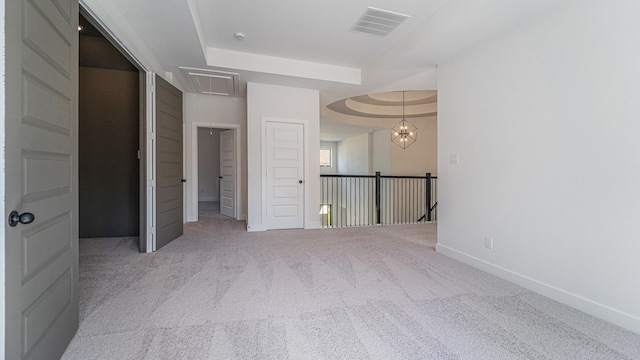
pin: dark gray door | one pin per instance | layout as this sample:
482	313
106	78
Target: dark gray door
41	177
169	202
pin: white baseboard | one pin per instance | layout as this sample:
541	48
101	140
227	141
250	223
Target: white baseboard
252	228
604	312
313	225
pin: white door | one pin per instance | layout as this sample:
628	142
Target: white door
285	170
41	177
228	173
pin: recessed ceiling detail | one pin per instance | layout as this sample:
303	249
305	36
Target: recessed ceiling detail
212	82
378	22
389	105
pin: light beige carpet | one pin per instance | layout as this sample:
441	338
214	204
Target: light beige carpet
219	292
210	210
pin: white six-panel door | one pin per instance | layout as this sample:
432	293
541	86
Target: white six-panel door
41	177
284	175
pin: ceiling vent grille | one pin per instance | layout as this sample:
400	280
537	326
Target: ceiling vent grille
211	82
378	22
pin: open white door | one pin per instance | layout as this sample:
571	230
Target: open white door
41	177
284	151
228	173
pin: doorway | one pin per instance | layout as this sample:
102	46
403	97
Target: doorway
209	178
215	187
110	160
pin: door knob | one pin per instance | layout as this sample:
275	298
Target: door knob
24	218
299	181
183	180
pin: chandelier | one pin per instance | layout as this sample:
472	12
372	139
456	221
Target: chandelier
404	133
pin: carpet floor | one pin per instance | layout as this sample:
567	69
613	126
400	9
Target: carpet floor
219	292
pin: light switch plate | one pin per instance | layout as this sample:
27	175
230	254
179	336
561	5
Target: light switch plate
454	159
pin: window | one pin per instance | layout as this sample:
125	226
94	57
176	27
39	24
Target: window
325	157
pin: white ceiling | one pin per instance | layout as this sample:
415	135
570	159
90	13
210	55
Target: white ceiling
316	31
308	43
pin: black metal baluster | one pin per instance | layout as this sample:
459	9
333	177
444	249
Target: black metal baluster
428	199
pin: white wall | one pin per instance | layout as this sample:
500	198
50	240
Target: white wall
381	152
208	164
213	111
354	155
370	152
422	156
334	157
545	120
270	101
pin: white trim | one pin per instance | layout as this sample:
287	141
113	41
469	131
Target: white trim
604	312
257	228
192	215
151	161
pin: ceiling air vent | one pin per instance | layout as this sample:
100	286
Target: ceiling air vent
378	22
211	82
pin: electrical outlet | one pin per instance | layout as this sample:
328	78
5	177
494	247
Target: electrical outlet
488	242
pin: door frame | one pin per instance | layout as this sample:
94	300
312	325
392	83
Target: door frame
192	201
147	145
305	153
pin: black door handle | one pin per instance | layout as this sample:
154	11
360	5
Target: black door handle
24	218
299	181
183	180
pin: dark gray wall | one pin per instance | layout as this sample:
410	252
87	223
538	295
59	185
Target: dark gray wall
108	153
109	128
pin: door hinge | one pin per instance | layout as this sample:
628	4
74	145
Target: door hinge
153	230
